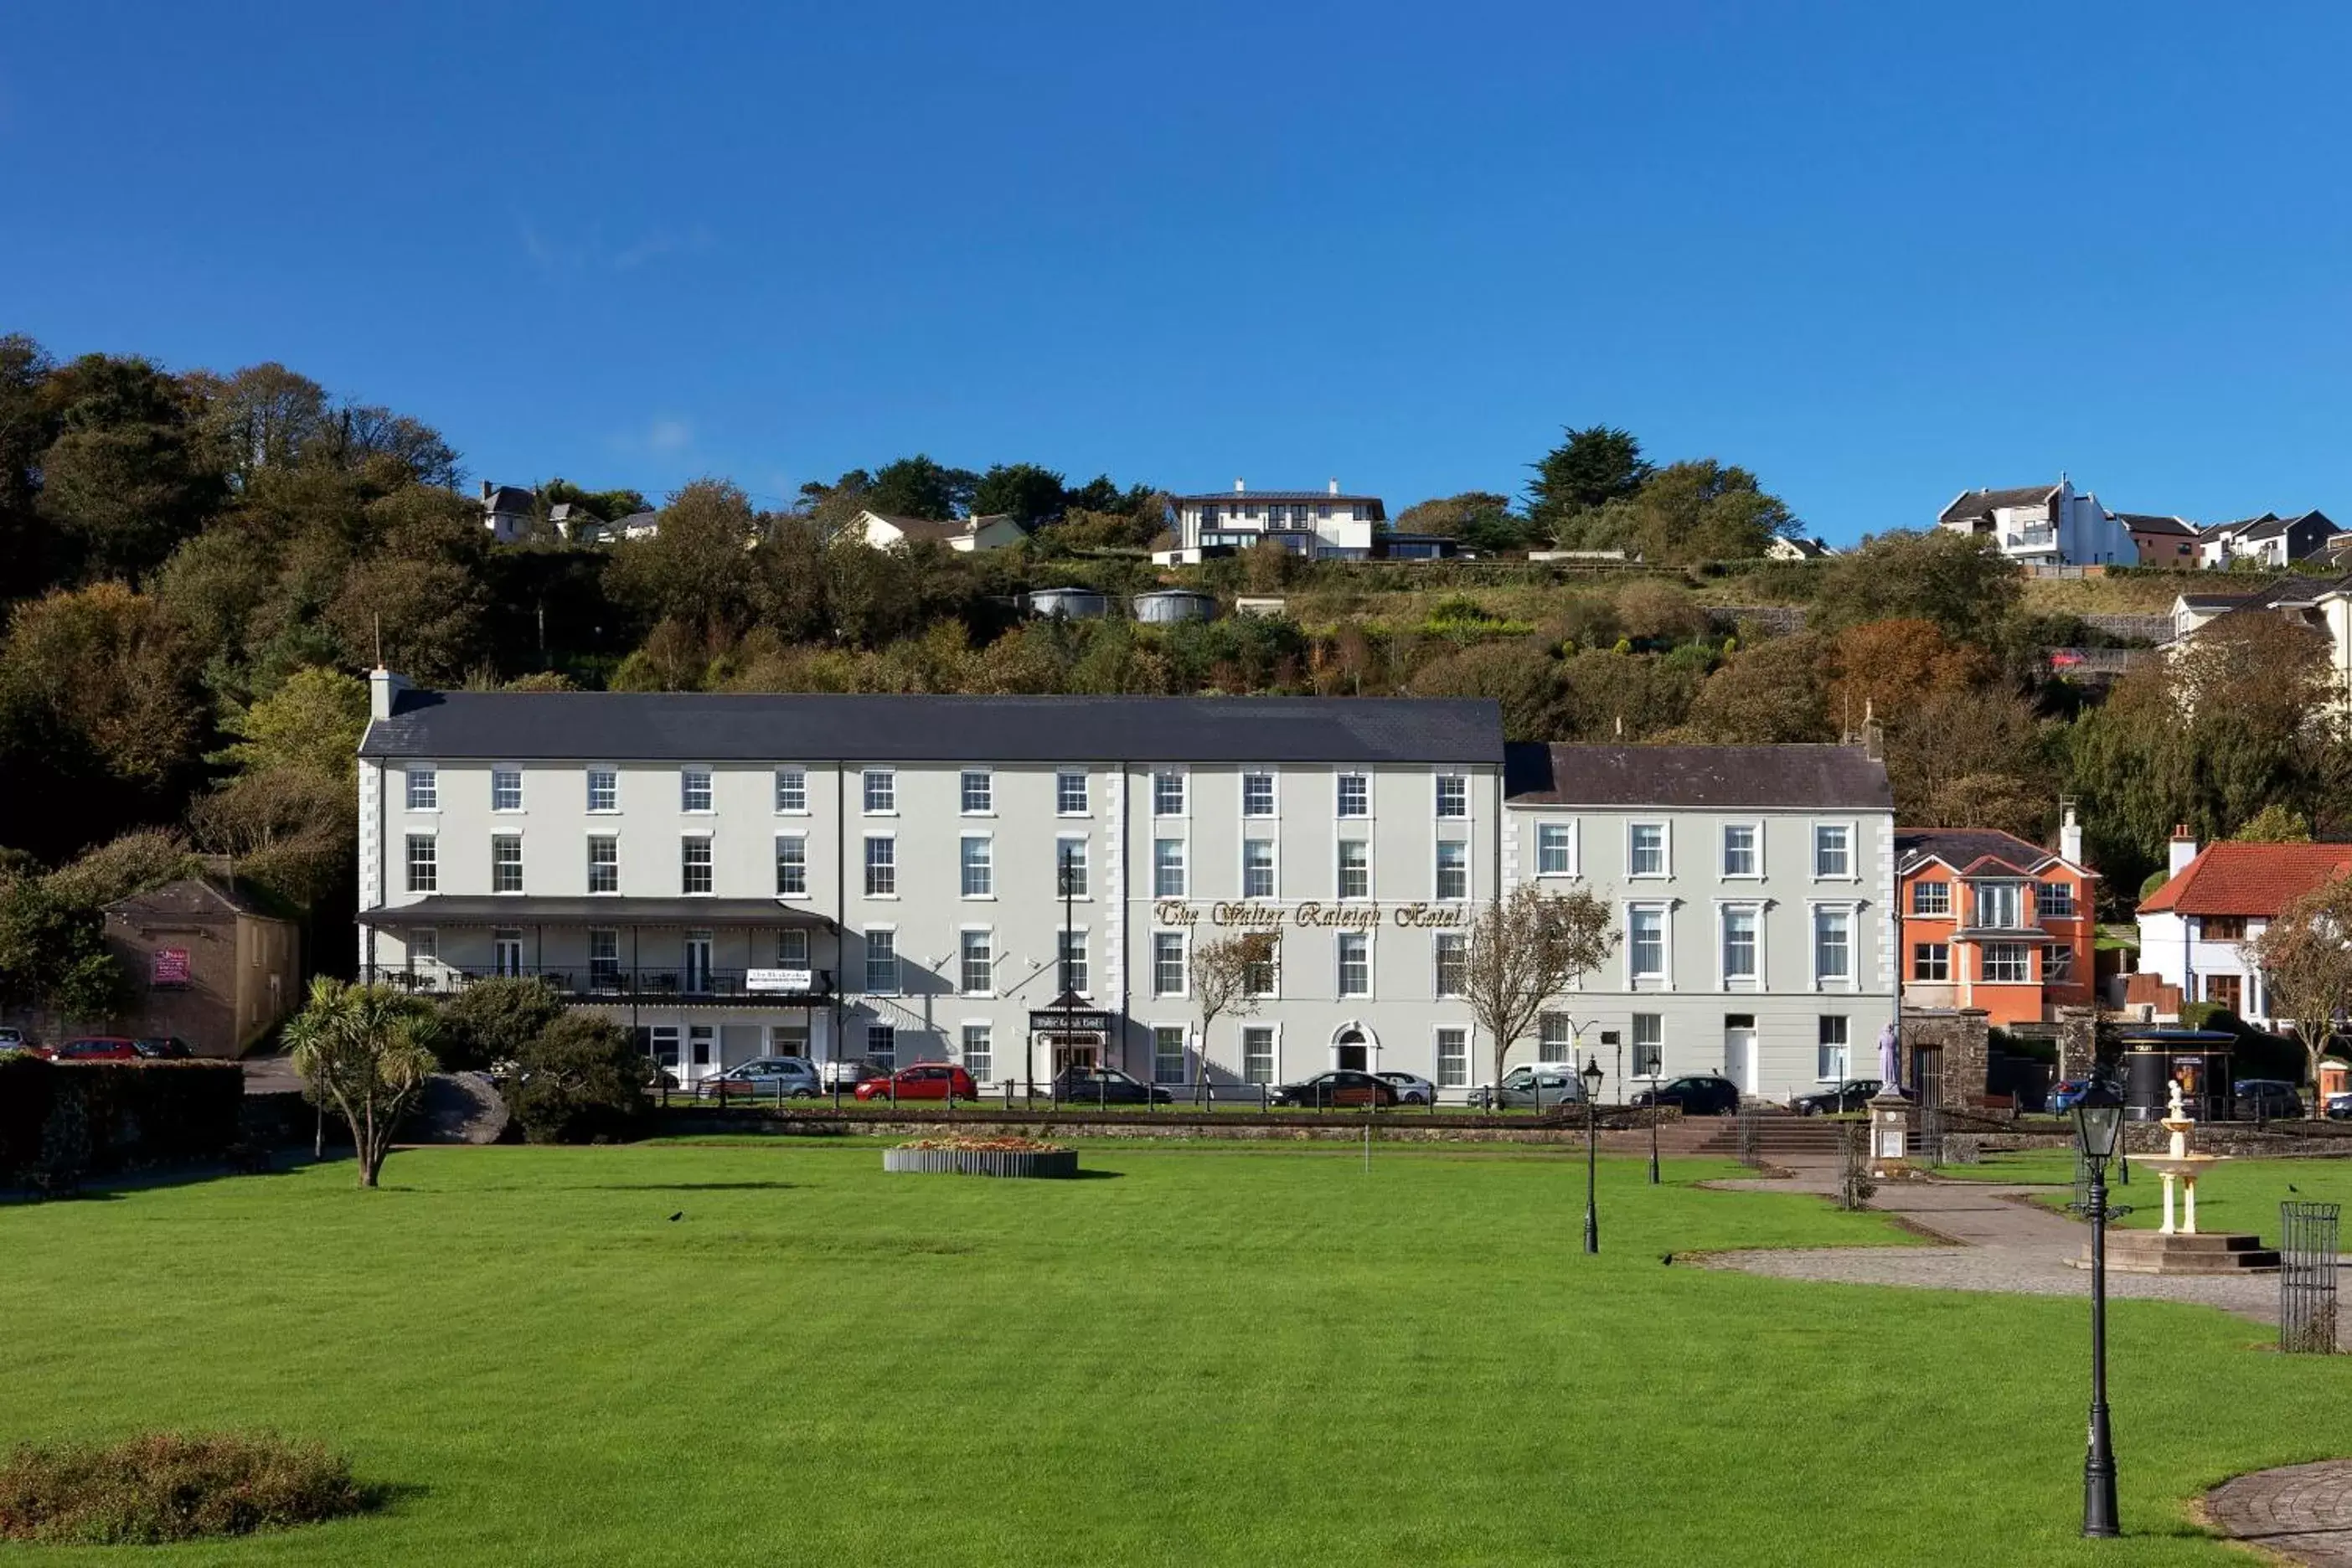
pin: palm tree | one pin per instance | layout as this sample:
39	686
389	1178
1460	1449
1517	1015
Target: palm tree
364	1049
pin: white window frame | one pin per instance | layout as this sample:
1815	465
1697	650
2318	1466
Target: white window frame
1274	867
1183	947
793	947
1639	1045
1437	872
1182	867
408	862
1439	942
2024	953
710	863
709	777
897	987
868	779
987	866
1183	783
1663	979
504	771
1439	790
1814	910
1844	1047
801	840
497	841
1079	939
1554	1032
1567	831
1183	1033
1063	778
1438	1067
1943	886
866	866
1944	948
1272	794
987	1032
1339	869
1852	872
588	777
2014	890
963	961
799	777
965	777
1723	979
2041	910
1084	891
1666	852
1339	783
1339	941
430	777
1273	1032
880	1057
593	839
1755	830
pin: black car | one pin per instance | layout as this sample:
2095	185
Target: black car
1852	1095
1107	1086
164	1048
1343	1086
1703	1094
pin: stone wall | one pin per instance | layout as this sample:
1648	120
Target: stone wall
1960	1035
2078	1042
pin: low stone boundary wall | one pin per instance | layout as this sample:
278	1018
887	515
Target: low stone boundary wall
982	1161
1622	1132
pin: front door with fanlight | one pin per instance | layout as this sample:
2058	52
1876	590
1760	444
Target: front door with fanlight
1739	1051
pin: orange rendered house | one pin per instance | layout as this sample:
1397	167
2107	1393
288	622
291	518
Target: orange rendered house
1989	920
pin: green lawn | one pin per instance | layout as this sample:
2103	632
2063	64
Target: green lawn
1265	1356
2053	1165
2237	1194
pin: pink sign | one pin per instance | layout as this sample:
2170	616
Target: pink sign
170	966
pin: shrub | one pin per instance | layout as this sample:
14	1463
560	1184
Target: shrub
492	1020
164	1485
70	1119
580	1081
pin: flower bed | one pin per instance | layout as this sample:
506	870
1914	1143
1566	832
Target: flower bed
1007	1156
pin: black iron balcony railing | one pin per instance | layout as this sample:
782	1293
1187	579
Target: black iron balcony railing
612	983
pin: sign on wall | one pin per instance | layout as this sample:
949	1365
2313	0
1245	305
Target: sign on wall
784	980
171	967
1254	916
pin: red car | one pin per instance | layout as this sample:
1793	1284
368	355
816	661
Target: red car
925	1080
90	1049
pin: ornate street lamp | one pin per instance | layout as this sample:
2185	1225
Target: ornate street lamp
2098	1122
1592	1076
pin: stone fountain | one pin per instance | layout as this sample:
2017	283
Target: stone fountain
2178	1246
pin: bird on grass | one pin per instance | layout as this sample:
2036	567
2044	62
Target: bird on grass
2293	1188
677	1216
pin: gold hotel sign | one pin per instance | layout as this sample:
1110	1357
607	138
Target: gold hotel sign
1252	915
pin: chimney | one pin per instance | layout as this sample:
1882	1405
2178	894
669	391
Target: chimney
489	489
2184	849
1238	487
1335	487
2070	834
384	690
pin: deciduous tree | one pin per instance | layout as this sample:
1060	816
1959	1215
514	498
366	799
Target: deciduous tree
2305	958
1525	950
1227	975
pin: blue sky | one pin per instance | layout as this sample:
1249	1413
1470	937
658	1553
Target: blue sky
1878	255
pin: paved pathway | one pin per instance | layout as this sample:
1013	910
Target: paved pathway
2002	1244
2303	1512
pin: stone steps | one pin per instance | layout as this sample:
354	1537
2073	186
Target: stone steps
2153	1252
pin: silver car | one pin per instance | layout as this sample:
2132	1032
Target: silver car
769	1078
1542	1085
1411	1087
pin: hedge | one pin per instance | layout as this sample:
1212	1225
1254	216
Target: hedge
128	1113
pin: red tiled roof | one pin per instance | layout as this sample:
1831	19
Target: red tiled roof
2248	878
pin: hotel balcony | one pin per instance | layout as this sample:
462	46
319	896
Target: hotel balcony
670	983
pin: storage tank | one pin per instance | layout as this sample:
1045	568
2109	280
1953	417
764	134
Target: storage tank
1071	604
1167	605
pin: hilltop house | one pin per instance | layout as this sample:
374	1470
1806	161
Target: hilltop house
2268	540
508	511
1992	921
2044	525
962	534
2192	930
1322	524
2162	541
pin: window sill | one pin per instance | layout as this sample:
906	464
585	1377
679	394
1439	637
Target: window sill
882	898
978	899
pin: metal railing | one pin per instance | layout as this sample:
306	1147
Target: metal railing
2308	1240
608	982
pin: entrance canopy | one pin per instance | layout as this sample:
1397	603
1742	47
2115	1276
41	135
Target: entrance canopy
1070	1015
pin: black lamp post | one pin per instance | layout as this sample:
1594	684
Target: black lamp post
1654	1129
2098	1122
1592	1076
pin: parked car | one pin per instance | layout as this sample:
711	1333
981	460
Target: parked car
1539	1084
163	1049
2255	1098
2339	1106
1342	1086
1852	1095
848	1072
90	1049
767	1078
13	1040
1107	1086
1411	1087
923	1080
1701	1094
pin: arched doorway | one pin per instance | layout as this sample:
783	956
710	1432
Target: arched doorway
1354	1047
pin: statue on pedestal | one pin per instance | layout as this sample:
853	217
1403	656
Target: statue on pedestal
1890	1057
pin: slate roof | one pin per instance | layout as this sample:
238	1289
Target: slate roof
935	528
510	498
1981	503
1825	778
189	896
2248	878
2148	523
1972	851
685	726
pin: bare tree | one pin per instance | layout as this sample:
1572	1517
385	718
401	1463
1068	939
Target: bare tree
2304	956
1229	975
1525	950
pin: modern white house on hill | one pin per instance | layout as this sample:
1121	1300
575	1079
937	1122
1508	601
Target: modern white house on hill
2044	525
963	535
1018	883
1324	524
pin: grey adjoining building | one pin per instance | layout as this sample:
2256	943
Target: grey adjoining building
885	877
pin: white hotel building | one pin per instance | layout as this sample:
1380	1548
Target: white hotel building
1016	883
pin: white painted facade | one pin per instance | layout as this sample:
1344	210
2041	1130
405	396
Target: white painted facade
2047	526
1326	525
